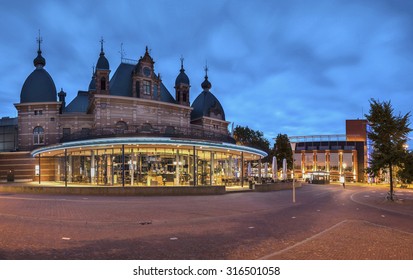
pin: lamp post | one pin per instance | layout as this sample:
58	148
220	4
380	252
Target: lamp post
292	170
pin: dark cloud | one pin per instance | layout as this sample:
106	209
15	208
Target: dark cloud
295	67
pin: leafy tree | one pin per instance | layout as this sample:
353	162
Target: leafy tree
406	173
389	136
253	138
282	149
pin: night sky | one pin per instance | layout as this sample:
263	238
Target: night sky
293	67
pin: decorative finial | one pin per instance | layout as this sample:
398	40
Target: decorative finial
39	61
122	52
146	50
206	85
206	69
39	40
101	44
182	62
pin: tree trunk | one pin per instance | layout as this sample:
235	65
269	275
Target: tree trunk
391	181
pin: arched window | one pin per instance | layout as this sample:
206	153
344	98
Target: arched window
38	135
170	130
146	127
121	127
103	83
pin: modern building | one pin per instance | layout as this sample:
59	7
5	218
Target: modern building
329	157
126	129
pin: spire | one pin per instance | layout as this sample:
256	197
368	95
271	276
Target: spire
101	46
103	63
206	85
206	70
39	61
92	84
146	57
182	63
39	41
182	78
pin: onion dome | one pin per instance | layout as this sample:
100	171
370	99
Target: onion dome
39	61
103	63
182	78
206	104
206	85
39	85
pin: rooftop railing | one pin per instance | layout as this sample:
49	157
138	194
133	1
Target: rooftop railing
147	130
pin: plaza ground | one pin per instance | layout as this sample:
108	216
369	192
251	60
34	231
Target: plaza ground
326	222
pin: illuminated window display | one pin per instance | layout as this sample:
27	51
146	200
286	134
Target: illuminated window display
110	162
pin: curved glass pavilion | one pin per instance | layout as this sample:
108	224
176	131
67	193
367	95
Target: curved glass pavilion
149	161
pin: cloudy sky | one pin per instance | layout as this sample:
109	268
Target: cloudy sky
297	67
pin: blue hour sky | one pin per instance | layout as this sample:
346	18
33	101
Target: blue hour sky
296	67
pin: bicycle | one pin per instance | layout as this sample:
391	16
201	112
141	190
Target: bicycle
389	196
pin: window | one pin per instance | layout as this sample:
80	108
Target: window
137	85
147	87
146	127
121	126
38	135
66	131
155	91
103	83
38	112
85	131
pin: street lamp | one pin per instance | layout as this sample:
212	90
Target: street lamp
292	170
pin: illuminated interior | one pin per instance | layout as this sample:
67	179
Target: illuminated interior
149	162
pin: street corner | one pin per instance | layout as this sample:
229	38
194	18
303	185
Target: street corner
402	201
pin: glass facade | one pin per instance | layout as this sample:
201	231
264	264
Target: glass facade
151	165
334	163
309	161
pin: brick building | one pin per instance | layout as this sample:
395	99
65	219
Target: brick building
329	157
126	129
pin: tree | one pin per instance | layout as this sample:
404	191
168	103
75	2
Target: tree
282	149
252	138
388	134
406	172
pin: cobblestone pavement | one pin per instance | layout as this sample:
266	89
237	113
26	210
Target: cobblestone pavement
326	222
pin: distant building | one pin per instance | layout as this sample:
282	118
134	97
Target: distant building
125	129
333	155
8	134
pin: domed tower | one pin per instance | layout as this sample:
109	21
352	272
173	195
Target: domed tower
39	85
38	110
102	72
207	110
182	86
